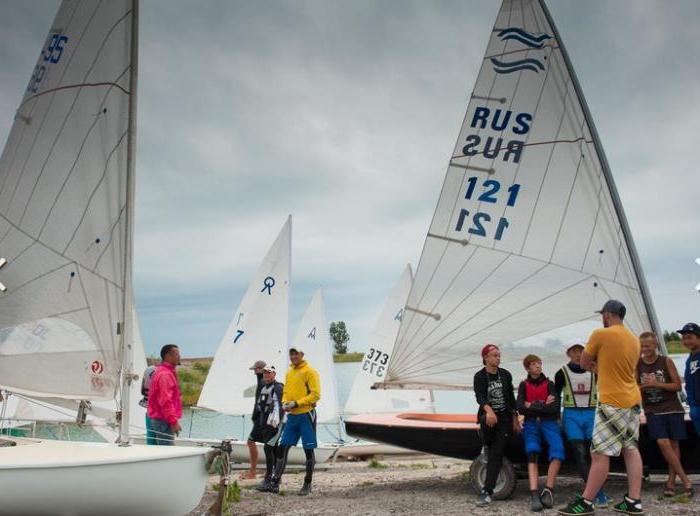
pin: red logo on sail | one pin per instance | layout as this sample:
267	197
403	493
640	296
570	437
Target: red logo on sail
97	367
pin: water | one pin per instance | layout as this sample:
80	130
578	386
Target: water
200	424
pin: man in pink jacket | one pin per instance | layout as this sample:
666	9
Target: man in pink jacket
164	401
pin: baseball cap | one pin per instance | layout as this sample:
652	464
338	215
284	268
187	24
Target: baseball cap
613	306
690	327
269	369
259	364
575	345
296	350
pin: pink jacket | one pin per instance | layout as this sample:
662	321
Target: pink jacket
164	400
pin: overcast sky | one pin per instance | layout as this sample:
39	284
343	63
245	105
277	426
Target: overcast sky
345	114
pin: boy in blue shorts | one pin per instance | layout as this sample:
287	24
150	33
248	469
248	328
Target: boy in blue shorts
539	403
578	391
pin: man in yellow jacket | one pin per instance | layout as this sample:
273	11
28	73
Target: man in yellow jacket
302	390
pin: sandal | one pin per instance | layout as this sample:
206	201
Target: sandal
689	491
669	492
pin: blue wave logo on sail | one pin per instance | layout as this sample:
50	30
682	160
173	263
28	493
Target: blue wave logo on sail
515	66
524	37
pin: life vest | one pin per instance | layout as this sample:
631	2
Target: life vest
580	389
536	391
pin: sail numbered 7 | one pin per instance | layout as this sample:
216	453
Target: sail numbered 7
528	237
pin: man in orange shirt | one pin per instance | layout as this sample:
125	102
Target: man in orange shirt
615	351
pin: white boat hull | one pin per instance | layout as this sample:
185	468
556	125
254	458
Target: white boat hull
240	452
71	478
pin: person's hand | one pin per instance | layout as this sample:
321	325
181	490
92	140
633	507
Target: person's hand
550	399
176	428
527	404
517	428
289	405
491	419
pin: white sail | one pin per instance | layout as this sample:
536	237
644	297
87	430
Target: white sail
258	331
313	339
63	203
527	236
362	398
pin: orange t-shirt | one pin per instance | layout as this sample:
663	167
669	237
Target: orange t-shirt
617	351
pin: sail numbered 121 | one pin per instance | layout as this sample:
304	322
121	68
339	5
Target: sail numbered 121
528	236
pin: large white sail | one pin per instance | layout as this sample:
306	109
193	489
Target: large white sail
528	235
362	398
63	206
258	331
313	339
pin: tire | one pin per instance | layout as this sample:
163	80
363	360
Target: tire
505	484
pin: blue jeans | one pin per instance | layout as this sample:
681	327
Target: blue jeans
150	435
162	434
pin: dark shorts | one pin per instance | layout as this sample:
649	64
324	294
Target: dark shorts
262	433
666	426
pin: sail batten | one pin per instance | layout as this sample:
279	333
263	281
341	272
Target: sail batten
528	238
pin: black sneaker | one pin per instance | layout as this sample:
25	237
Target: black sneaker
547	498
264	486
305	489
484	499
274	487
629	506
535	502
577	507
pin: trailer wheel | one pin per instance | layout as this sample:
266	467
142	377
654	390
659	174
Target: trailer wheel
505	484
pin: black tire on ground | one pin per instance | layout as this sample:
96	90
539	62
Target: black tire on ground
505	485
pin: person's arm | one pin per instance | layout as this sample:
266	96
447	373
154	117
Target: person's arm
509	392
590	353
553	407
480	389
165	402
559	381
520	403
313	384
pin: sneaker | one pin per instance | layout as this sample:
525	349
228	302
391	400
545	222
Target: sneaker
305	489
577	507
484	499
629	506
547	498
535	502
274	487
601	500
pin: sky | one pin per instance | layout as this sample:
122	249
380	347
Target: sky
344	114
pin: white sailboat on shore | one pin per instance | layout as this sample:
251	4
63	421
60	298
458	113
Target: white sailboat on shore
527	241
259	330
66	242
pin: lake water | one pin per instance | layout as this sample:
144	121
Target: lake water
204	424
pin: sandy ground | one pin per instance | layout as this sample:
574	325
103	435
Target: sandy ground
419	485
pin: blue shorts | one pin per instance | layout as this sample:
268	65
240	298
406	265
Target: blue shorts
578	423
695	418
300	425
666	426
535	431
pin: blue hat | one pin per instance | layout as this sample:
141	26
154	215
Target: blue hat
613	306
691	327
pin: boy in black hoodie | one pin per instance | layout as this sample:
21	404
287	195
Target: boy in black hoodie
493	388
539	402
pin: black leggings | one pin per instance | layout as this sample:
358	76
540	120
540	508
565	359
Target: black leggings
582	457
281	463
496	438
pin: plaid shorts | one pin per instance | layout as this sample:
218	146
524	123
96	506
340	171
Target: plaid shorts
615	429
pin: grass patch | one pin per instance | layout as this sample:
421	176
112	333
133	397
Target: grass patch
676	346
366	483
375	464
347	357
420	465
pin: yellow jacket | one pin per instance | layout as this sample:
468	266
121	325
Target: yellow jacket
302	384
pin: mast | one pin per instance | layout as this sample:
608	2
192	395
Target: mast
127	329
624	225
